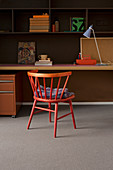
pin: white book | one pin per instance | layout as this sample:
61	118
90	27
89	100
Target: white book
43	63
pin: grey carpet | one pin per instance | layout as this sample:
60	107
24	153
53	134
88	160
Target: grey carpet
89	147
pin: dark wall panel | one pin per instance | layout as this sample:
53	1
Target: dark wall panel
62	49
82	4
24	4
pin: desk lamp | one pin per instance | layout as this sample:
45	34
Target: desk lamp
88	35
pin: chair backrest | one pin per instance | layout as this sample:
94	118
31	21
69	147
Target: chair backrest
37	87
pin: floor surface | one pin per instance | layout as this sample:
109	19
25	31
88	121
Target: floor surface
89	147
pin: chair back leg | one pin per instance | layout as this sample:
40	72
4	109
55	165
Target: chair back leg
71	109
31	115
55	119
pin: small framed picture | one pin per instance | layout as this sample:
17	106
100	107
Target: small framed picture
76	24
26	52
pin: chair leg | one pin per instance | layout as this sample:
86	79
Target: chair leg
49	112
55	121
31	115
71	109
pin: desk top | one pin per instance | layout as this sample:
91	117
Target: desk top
54	67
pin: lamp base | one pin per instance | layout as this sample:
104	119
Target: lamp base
101	64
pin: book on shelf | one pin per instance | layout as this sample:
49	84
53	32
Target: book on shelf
39	19
76	24
39	27
36	23
43	62
40	16
38	30
35	20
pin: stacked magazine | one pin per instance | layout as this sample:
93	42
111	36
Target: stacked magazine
43	63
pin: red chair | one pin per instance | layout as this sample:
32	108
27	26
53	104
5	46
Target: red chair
49	97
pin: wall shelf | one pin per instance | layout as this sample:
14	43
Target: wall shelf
15	19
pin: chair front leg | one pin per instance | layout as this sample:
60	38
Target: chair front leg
49	112
55	121
31	115
71	109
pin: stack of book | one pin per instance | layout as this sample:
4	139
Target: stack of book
39	23
43	63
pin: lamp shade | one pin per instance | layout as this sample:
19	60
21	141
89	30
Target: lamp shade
88	32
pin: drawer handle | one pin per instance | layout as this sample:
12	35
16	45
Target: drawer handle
6	81
6	91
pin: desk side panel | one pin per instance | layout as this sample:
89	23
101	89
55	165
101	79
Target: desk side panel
19	90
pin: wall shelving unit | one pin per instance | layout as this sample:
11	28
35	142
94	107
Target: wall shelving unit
62	47
90	83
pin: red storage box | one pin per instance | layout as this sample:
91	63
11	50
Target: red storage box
85	62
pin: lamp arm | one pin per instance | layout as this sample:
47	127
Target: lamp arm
96	45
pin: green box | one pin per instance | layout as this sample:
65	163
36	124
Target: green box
76	24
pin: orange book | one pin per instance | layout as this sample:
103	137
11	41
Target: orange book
38	30
34	21
39	27
38	24
40	16
39	19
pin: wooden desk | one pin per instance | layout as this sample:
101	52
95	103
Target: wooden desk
90	83
54	67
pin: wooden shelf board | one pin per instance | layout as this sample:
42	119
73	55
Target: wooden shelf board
30	32
54	67
97	32
66	32
80	8
24	8
67	8
55	8
15	33
41	32
103	32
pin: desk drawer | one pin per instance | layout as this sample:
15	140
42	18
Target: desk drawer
7	78
6	87
7	104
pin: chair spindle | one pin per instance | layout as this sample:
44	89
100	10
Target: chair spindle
51	88
39	87
58	87
45	87
64	87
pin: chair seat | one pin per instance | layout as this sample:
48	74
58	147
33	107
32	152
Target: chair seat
66	93
55	100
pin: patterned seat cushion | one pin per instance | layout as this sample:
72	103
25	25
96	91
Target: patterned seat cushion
65	94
